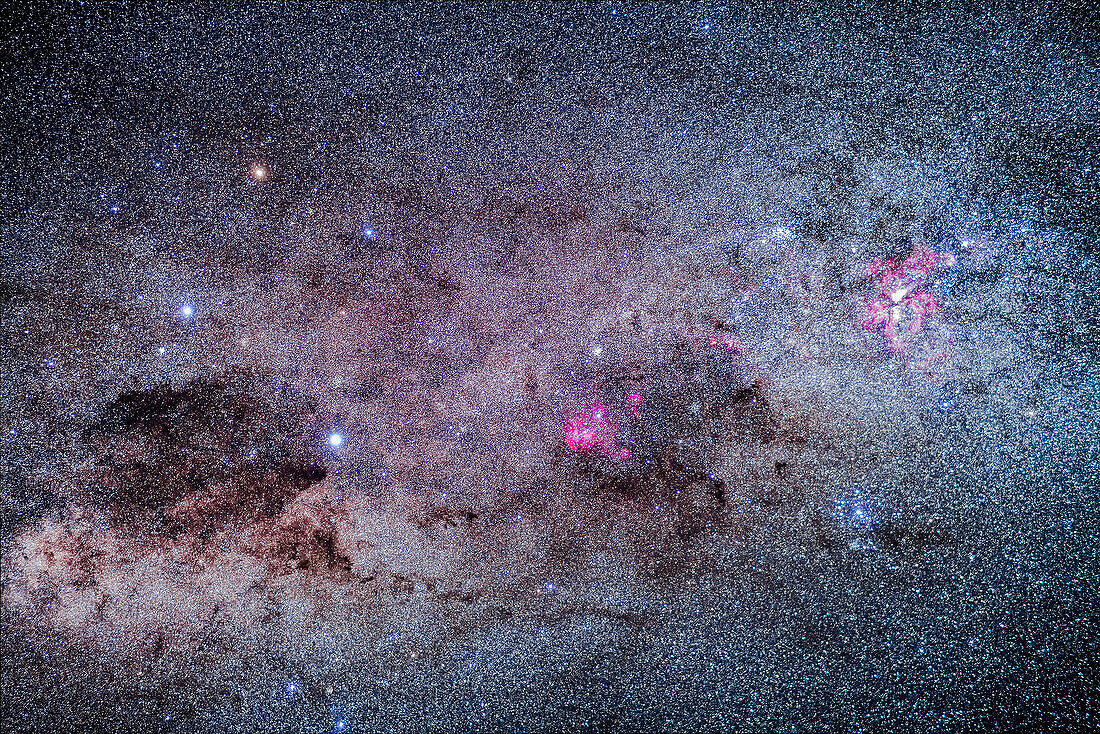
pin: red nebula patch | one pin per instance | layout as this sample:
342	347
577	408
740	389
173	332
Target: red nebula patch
591	431
902	304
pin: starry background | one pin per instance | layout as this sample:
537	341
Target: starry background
673	367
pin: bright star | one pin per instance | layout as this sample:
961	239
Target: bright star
335	440
187	311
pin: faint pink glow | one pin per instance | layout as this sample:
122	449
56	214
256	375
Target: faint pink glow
730	343
634	404
929	363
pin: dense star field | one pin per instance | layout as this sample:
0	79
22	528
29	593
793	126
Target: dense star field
541	367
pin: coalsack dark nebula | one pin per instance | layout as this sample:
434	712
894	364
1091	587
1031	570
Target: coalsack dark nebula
603	368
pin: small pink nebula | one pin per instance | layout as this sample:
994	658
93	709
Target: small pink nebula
590	430
634	404
730	343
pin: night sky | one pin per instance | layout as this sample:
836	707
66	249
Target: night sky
600	367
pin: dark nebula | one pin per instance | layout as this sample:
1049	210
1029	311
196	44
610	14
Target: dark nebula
189	460
531	367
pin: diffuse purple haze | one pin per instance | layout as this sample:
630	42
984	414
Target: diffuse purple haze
586	371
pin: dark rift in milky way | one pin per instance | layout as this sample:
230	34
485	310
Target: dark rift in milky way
189	461
543	405
215	457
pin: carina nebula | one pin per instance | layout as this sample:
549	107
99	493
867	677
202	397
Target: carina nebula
533	367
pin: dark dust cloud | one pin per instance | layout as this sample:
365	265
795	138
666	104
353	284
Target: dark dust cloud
550	367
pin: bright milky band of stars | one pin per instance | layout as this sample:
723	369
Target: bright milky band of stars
516	367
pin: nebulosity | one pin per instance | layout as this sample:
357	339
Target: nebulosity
607	368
